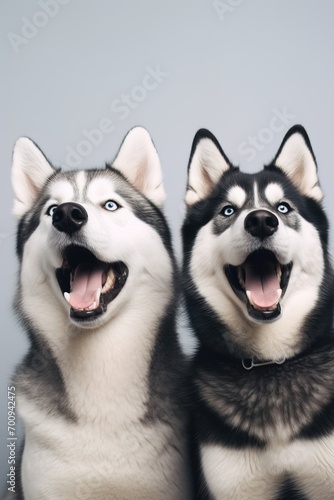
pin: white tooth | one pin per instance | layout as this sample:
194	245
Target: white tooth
109	283
249	295
97	297
67	297
279	293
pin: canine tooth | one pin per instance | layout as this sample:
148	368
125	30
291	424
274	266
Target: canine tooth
97	296
110	282
111	273
249	295
67	297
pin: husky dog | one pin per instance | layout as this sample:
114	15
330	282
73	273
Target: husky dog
259	292
99	391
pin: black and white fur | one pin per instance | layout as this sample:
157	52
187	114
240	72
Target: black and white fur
263	414
99	390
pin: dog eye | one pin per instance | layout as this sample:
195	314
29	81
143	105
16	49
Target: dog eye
228	211
284	208
111	205
51	209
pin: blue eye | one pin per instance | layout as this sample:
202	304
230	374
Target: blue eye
111	205
50	211
284	208
228	211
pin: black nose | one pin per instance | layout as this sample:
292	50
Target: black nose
69	217
261	223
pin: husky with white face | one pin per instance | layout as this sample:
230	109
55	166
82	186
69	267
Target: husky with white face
259	294
99	390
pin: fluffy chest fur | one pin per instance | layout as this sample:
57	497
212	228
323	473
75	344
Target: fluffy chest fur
272	403
99	459
301	467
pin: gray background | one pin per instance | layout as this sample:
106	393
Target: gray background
231	66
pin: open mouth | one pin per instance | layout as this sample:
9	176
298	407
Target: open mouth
260	282
89	284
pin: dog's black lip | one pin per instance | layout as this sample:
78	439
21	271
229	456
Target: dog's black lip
72	256
232	276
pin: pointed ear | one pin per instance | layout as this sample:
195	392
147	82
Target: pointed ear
138	161
296	158
30	170
206	166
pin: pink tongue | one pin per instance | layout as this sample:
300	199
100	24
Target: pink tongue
263	284
86	283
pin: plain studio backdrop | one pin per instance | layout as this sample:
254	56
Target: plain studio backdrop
78	74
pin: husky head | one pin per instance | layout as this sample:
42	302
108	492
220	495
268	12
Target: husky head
255	249
90	241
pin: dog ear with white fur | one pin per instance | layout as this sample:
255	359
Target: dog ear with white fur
138	160
296	158
30	171
206	166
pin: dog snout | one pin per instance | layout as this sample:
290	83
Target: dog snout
69	217
261	223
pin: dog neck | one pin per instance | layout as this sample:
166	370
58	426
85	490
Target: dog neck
105	370
249	364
